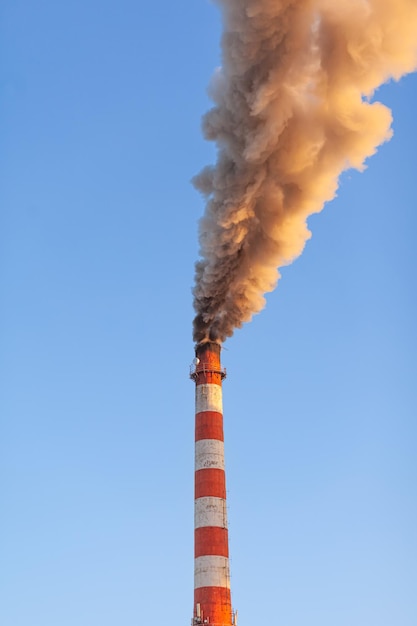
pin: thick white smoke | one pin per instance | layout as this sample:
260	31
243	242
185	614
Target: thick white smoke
292	111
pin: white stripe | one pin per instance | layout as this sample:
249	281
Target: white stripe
208	398
211	571
209	511
209	454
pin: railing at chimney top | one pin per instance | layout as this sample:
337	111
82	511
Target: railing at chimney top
199	621
204	368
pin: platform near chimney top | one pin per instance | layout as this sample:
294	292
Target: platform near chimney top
205	368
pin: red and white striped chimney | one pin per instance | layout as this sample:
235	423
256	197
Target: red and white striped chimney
212	599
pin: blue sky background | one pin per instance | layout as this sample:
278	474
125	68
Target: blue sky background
100	107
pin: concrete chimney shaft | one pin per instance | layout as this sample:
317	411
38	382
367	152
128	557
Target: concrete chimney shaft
212	599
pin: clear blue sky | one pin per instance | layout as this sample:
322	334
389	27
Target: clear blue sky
100	135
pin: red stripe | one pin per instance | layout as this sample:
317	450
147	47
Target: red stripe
211	540
209	425
210	482
216	605
209	362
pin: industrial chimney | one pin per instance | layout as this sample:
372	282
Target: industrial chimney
212	600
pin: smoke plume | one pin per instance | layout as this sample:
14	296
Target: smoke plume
292	111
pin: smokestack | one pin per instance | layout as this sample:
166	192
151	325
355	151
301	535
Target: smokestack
212	599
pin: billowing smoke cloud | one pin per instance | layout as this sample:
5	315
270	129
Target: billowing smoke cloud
292	111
